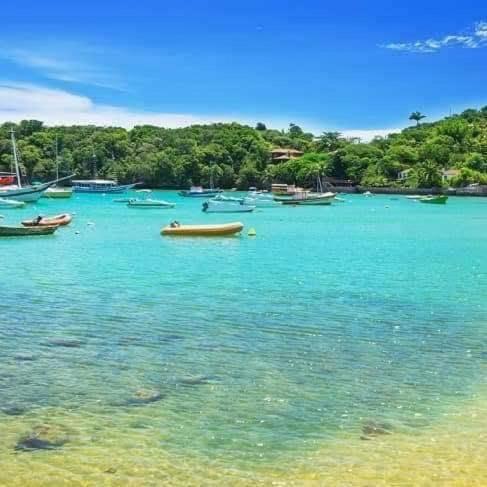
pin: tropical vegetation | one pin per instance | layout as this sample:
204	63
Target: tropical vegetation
240	156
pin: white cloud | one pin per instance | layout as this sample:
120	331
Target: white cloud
476	38
57	64
58	107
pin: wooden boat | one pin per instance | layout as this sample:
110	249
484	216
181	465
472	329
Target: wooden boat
100	186
434	200
26	231
305	198
6	203
49	221
202	230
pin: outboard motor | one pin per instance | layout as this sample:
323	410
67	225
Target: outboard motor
205	206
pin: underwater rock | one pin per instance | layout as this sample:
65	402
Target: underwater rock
65	342
375	428
43	437
13	409
194	380
144	396
24	357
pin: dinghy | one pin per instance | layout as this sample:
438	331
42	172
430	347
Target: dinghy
49	221
26	231
202	230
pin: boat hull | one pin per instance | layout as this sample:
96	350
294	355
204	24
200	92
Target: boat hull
27	231
5	203
148	204
200	194
58	220
308	202
58	193
434	200
114	189
27	195
203	230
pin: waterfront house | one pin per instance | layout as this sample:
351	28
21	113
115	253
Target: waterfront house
447	174
284	155
404	175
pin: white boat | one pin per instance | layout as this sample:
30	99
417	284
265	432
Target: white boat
222	197
6	203
414	197
24	193
100	186
260	200
367	194
146	202
212	206
57	191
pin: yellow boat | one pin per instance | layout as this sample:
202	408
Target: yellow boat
202	230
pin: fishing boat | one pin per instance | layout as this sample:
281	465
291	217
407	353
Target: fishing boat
25	193
100	186
309	199
202	230
56	191
49	221
434	200
284	189
26	231
6	203
212	206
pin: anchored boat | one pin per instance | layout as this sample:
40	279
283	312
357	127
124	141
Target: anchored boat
200	192
434	200
26	231
212	206
100	186
202	230
58	220
146	202
6	203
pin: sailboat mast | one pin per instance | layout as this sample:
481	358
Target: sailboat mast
57	160
16	160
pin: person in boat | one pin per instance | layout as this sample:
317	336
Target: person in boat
37	220
175	224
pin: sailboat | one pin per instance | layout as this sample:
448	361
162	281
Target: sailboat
56	191
200	192
24	193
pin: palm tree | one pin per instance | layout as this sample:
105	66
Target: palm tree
417	116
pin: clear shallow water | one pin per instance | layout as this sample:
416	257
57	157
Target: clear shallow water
210	358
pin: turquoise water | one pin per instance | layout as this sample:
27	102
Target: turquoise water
249	352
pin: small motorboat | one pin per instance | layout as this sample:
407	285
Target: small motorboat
434	200
58	192
260	200
146	202
149	203
200	192
218	230
414	197
49	221
8	203
368	194
212	206
222	197
26	231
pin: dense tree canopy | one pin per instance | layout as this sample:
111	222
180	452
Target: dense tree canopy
238	155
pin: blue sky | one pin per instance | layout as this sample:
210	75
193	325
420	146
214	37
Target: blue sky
357	67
